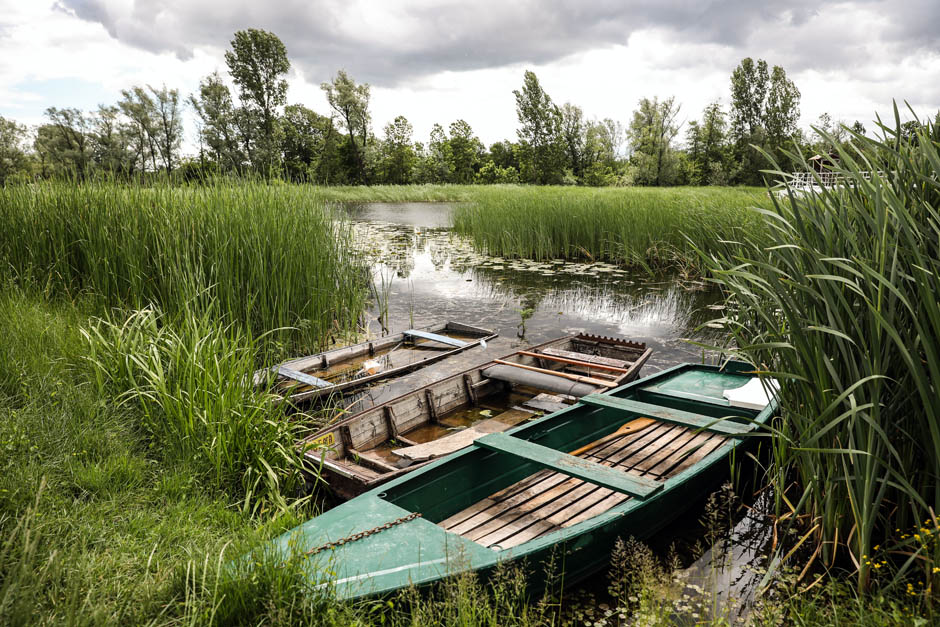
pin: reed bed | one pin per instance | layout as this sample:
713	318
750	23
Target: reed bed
265	257
631	226
841	304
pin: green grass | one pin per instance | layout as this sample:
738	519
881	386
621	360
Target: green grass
629	226
840	302
264	257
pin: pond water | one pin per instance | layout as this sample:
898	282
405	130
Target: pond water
424	273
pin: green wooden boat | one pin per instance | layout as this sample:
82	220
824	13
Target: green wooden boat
643	453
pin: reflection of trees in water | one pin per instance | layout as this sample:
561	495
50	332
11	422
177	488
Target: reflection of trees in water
637	300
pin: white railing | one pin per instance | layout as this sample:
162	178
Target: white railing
811	180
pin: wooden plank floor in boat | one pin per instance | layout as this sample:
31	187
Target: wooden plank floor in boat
547	500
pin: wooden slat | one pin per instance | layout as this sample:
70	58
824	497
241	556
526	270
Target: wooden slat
667	414
544	480
443	339
591	359
301	377
573	362
569	464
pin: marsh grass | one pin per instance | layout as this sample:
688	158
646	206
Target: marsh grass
840	302
643	227
265	257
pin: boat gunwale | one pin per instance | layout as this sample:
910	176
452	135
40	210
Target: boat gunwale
482	335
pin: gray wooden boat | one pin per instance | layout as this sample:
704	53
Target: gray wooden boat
350	367
405	433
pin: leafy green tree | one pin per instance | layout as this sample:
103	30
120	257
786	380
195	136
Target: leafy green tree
503	154
110	142
398	158
257	64
651	133
574	136
13	158
465	152
351	102
168	125
308	145
218	129
140	111
541	148
764	113
707	148
68	141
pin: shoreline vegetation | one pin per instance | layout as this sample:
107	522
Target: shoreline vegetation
138	462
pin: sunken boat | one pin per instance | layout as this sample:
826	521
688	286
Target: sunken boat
352	367
405	433
615	464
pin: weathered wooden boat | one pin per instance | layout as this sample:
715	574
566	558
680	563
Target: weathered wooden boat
393	438
350	367
618	464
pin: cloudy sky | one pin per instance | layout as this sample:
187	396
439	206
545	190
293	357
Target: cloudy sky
442	60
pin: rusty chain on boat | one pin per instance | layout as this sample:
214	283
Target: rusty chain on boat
362	534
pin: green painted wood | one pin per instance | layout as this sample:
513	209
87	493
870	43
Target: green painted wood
296	375
593	472
667	414
443	339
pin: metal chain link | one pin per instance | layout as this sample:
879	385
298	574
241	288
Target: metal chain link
362	534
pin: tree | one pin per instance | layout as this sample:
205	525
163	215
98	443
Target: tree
399	158
167	125
707	148
308	144
137	105
651	133
257	63
574	136
218	129
110	145
13	158
465	152
764	113
67	140
542	156
351	102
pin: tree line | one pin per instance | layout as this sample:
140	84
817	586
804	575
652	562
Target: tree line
256	132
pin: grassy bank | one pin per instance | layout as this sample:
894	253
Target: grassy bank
630	226
842	305
264	257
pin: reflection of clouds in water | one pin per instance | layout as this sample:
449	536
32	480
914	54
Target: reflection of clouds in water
440	276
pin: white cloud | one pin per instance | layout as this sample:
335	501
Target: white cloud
436	62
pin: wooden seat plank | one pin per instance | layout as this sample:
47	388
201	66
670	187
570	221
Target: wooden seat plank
587	358
666	414
568	464
443	339
302	377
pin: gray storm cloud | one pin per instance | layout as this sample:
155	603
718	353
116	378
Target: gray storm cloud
412	41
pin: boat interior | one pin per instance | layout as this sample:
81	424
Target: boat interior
450	414
580	463
379	357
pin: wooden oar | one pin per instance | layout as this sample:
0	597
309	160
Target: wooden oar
625	429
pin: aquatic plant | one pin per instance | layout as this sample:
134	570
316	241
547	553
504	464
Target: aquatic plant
629	226
266	257
840	302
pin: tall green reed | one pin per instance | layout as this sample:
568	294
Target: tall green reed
269	257
190	382
630	226
841	302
